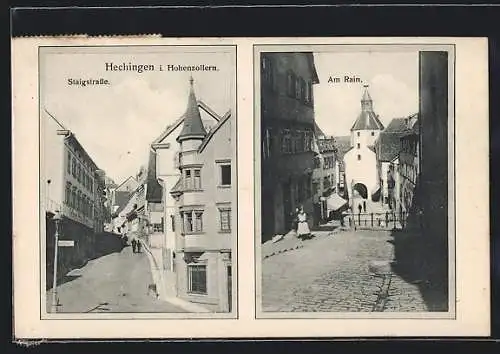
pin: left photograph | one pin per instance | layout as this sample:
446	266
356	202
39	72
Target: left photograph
138	177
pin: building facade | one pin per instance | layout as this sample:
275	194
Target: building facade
204	219
325	174
394	184
409	165
434	149
387	147
71	186
287	134
342	146
163	176
360	161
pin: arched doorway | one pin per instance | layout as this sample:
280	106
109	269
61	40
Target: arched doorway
361	190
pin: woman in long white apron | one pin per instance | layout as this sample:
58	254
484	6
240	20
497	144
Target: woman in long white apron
302	228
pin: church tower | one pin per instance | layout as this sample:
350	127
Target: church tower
367	126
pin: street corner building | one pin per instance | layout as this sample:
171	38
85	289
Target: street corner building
190	195
287	139
73	196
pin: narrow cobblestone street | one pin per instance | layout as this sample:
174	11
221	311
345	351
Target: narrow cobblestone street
331	273
117	282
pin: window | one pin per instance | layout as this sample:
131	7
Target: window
308	97
359	157
359	145
172	221
198	221
73	166
69	162
358	133
225	173
301	89
158	227
326	182
72	198
286	146
197	179
187	180
67	193
291	83
197	279
373	133
192	221
317	162
307	141
299	142
192	179
225	219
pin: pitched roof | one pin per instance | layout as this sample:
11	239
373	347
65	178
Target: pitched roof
154	189
193	125
171	127
125	181
177	187
214	130
396	125
367	119
121	199
312	67
343	145
317	130
388	143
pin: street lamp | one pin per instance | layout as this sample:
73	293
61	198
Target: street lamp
57	219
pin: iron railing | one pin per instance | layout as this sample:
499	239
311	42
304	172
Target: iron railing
380	220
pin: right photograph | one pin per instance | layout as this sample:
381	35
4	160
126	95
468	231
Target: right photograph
355	182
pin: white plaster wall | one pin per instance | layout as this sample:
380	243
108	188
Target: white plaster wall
365	137
362	171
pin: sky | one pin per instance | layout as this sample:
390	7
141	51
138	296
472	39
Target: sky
116	123
393	85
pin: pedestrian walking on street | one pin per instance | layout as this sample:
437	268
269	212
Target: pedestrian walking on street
302	227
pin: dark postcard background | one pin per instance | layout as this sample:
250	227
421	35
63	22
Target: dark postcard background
318	21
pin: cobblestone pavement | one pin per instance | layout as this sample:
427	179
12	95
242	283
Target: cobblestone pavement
117	282
331	273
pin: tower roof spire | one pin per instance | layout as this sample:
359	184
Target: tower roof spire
367	119
366	95
193	125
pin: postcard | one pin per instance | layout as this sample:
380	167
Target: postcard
250	187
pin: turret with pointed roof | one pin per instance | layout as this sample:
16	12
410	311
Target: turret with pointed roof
367	119
193	125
